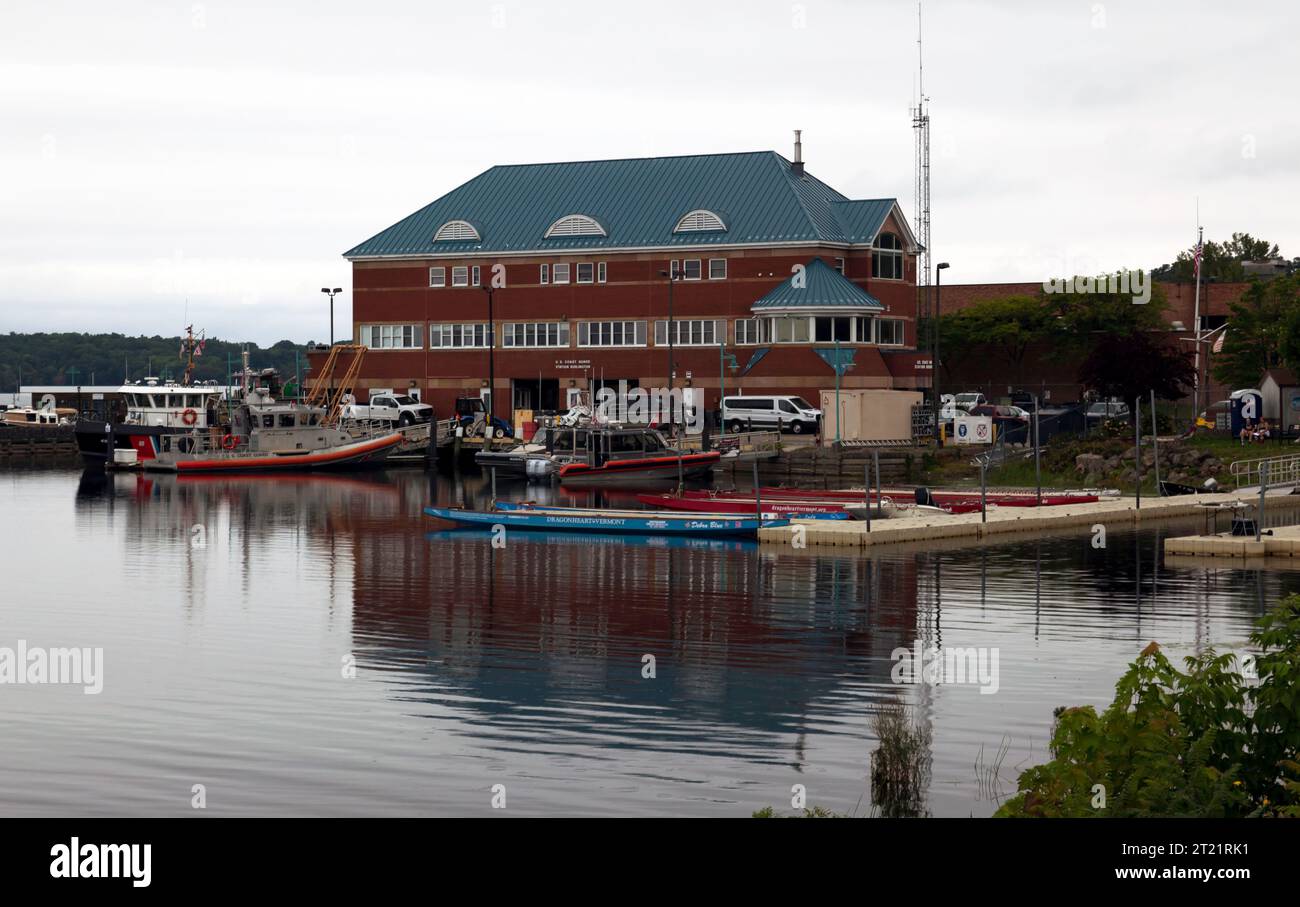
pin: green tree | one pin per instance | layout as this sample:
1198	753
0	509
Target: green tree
1220	261
108	358
1085	318
1005	327
1257	336
1130	366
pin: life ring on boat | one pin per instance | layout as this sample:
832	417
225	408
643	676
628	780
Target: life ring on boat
229	442
189	417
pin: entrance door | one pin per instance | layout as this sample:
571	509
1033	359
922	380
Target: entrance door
537	394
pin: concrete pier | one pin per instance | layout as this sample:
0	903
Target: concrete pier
1001	521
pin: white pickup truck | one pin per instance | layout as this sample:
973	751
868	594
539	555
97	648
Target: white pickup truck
397	408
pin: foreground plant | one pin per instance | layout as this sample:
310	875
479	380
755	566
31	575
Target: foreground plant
1215	740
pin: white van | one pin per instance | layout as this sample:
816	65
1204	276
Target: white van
790	413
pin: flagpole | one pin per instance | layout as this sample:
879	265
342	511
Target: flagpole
1196	329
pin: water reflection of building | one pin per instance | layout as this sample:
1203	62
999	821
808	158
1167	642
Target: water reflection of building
749	638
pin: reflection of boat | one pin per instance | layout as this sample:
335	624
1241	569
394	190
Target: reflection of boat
570	539
577	519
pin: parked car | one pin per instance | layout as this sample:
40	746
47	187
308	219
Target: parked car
969	399
1025	400
397	408
793	413
1107	410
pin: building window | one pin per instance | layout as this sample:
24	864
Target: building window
545	274
474	276
535	334
747	331
691	269
586	272
891	331
437	277
611	333
839	265
600	272
831	329
700	221
887	257
691	332
458	336
460	276
784	329
560	273
717	269
391	336
863	332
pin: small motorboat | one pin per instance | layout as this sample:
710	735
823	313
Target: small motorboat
639	469
528	517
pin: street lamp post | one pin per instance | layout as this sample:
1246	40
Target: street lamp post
934	365
723	356
673	276
331	294
492	377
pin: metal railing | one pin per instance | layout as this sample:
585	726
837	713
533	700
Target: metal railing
1277	470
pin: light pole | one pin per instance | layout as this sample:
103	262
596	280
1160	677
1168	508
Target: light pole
331	294
492	377
673	276
723	357
938	398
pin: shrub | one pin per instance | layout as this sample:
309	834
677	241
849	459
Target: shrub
1206	741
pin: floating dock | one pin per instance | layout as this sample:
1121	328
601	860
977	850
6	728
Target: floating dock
1110	513
1284	542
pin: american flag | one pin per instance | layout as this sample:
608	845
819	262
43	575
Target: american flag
1218	342
1196	259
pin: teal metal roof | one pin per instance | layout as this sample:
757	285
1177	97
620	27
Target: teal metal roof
821	287
638	202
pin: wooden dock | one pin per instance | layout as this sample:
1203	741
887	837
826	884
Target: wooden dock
1110	513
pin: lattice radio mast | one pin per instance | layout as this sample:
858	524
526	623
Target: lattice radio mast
921	127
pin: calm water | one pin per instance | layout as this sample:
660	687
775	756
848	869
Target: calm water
225	651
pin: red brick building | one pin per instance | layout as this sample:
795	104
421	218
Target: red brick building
1047	370
773	268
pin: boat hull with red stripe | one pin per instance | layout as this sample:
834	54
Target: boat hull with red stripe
641	469
364	451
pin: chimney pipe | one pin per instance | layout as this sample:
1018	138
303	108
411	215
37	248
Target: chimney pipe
797	164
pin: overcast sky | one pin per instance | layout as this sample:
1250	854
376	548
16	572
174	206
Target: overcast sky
226	154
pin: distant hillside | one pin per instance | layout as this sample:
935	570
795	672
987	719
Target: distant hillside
108	358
